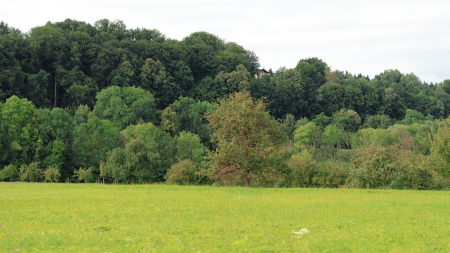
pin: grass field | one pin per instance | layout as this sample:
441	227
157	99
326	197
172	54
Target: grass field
37	217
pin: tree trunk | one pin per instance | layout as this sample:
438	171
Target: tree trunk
103	180
247	180
134	180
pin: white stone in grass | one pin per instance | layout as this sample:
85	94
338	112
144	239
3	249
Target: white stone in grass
302	231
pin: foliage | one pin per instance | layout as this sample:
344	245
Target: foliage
378	121
248	139
348	120
9	173
182	173
388	167
302	170
228	83
440	145
306	136
18	119
413	116
370	136
52	174
146	156
30	172
93	140
187	114
189	147
55	141
105	170
83	174
125	106
52	76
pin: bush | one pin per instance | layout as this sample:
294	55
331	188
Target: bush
30	173
83	174
332	174
302	170
52	174
182	173
9	173
389	167
378	121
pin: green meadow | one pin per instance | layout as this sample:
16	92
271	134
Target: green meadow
38	217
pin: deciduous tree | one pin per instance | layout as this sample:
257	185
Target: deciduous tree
248	139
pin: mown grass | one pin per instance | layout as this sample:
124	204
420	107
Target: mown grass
38	217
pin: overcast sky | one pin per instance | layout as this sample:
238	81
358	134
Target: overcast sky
359	36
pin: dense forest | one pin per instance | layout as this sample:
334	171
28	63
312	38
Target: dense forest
91	103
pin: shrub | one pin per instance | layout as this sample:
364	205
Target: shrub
332	174
378	121
182	173
30	173
52	174
302	170
83	174
9	173
388	167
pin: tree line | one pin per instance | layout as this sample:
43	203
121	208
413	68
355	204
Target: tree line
101	102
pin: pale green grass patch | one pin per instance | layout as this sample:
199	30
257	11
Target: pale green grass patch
109	218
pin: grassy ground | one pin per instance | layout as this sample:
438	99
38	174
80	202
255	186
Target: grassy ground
37	217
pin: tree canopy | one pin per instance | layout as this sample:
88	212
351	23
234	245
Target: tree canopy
89	102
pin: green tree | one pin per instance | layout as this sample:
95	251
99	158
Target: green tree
288	96
348	120
205	90
55	141
124	74
52	174
38	88
18	119
321	120
228	83
30	172
189	147
125	106
83	174
392	104
248	139
141	161
313	74
82	114
154	78
182	173
105	170
307	137
93	140
288	126
9	173
378	121
202	48
146	156
75	87
233	55
187	114
182	81
117	161
331	98
411	117
369	136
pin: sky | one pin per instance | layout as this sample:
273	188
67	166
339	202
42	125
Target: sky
357	36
